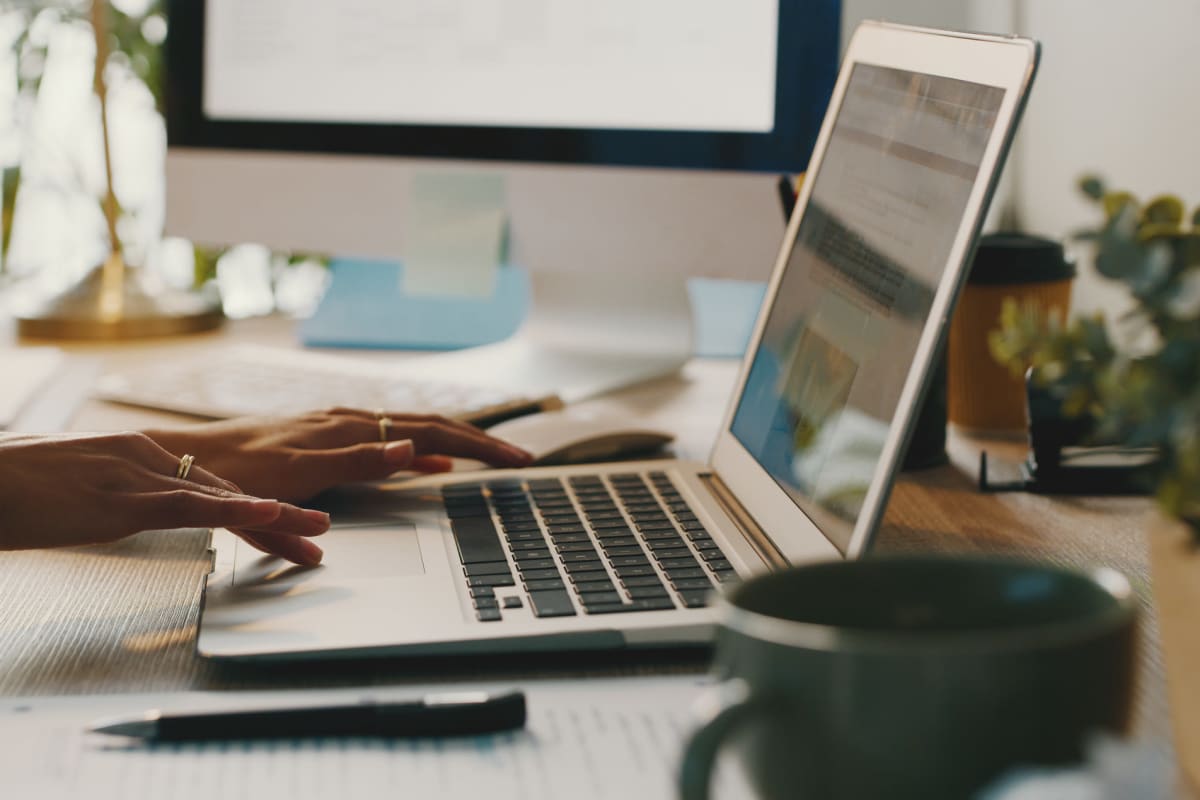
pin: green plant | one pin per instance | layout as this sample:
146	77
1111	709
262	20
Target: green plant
1143	388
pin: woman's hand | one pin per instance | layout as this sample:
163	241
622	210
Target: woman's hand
82	489
298	457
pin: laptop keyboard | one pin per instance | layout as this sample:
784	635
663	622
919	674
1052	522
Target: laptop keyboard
586	543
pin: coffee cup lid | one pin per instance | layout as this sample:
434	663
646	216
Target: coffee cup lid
1013	258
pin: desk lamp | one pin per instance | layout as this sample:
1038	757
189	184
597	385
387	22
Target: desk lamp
110	303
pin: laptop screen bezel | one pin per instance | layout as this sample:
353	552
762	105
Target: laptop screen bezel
1005	62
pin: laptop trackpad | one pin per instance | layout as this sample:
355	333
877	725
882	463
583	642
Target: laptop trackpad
361	551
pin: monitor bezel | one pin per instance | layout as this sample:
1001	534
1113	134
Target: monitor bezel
1006	62
806	69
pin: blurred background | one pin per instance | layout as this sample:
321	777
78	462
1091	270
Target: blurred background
1114	97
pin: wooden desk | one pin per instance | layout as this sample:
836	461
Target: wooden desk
123	617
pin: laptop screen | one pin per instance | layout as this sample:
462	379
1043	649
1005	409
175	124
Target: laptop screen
843	328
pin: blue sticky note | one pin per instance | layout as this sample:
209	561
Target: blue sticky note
723	314
365	306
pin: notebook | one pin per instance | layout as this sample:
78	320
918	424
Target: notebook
629	555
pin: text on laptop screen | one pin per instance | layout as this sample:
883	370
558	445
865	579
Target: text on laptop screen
871	248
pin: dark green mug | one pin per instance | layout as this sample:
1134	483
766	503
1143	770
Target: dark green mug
911	677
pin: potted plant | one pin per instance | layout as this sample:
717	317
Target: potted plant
1140	387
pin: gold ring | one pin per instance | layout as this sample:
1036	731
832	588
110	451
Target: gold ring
384	424
185	466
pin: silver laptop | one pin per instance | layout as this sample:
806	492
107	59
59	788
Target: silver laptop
628	554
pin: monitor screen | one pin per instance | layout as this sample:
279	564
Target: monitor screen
703	84
869	252
681	65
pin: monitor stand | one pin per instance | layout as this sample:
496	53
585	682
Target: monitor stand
585	334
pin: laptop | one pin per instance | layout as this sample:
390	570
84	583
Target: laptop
629	554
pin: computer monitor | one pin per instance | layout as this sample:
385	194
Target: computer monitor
640	140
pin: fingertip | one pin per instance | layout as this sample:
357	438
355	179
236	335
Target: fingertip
433	464
398	454
518	456
309	554
318	520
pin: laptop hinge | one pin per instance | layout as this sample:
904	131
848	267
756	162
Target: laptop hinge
758	539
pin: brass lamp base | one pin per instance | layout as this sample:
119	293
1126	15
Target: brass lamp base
101	307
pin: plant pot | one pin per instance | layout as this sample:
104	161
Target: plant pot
1175	570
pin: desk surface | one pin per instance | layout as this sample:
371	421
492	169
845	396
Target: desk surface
122	618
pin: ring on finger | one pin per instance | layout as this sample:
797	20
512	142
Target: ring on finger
384	425
185	466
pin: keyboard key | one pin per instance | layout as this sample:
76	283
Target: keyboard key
534	535
629	561
551	603
692	525
694	599
561	519
611	542
549	505
488	614
685	574
581	557
524	525
726	576
489	568
650	604
491	580
481	591
539	574
586	572
584	587
570	538
562	530
660	547
594	516
477	540
486	602
585	546
715	560
535	586
523	546
612	528
706	544
512	602
647	592
672	564
633	581
636	571
599	598
691	584
659	534
615	552
524	564
534	554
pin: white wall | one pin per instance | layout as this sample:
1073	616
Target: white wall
1118	94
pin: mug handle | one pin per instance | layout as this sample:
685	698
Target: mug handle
731	704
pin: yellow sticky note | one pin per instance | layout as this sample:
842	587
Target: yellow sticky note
455	234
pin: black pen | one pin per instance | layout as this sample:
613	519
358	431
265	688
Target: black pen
451	714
